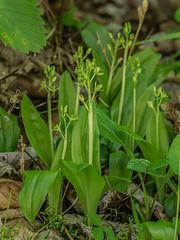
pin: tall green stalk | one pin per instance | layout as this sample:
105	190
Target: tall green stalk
123	85
136	71
50	123
126	43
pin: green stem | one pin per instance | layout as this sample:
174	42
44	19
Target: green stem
157	128
178	199
50	123
111	74
77	100
90	124
65	144
134	114
123	85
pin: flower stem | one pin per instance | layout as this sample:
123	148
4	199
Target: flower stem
90	125
123	85
50	123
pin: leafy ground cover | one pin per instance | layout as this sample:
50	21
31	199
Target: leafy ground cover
104	160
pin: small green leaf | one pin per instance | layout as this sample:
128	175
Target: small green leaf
21	25
95	219
35	188
37	131
137	164
109	233
98	233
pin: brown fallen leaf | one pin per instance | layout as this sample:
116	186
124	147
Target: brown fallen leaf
7	186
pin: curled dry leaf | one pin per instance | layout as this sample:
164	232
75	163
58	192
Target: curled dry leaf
7	186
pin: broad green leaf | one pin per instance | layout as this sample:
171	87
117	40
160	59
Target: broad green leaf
35	188
10	133
174	154
118	167
161	229
80	139
170	204
151	134
87	182
21	25
108	129
89	36
37	131
67	93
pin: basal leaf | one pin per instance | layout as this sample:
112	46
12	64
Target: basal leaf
37	131
67	93
21	25
9	134
35	188
87	182
108	128
80	139
174	154
161	229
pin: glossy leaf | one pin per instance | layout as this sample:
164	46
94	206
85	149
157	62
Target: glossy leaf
37	131
80	139
35	188
21	25
161	229
87	182
174	154
10	133
67	93
108	128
